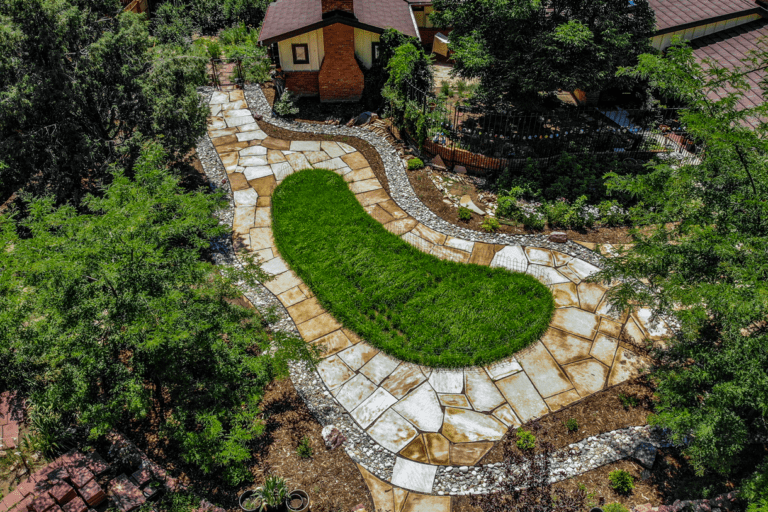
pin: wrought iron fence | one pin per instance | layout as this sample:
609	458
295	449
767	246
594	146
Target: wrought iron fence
483	138
225	72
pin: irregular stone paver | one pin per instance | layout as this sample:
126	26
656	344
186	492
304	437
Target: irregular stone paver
543	371
480	390
357	389
464	426
469	454
373	407
405	378
447	381
604	348
422	408
523	397
437	448
564	347
454	401
392	431
413	475
380	367
576	321
588	376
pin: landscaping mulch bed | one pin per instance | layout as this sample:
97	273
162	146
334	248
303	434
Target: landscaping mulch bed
433	198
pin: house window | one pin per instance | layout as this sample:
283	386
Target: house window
375	50
300	53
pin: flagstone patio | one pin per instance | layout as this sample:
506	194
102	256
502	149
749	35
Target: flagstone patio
428	417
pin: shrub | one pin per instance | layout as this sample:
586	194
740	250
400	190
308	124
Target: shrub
445	89
286	106
525	440
621	481
615	507
171	25
755	490
274	491
490	224
557	212
415	163
572	425
611	213
464	213
534	220
628	401
214	50
304	449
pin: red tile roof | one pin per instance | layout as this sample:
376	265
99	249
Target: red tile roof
286	18
728	48
672	14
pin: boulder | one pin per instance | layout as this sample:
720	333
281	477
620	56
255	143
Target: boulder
466	202
558	237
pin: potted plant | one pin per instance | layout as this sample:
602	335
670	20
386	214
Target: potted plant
297	501
249	501
270	497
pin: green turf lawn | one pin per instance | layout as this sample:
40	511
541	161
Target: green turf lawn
409	304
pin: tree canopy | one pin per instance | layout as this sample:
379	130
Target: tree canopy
112	314
705	259
521	47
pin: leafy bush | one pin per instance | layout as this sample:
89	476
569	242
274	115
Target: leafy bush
490	224
247	12
207	15
170	24
273	493
304	449
755	490
464	213
615	507
415	163
628	401
621	481
572	425
214	50
286	106
611	213
445	89
534	220
525	440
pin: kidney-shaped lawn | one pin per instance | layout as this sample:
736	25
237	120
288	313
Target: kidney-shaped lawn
409	304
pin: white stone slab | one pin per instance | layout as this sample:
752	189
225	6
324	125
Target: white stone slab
238	121
219	97
334	372
422	408
253	161
547	275
241	112
539	256
373	407
447	381
355	391
274	266
346	147
357	355
464	426
461	244
247	197
582	268
259	171
332	149
379	368
479	388
392	431
503	368
413	476
282	170
216	123
249	127
512	258
466	202
305	145
253	151
254	135
507	416
331	165
656	328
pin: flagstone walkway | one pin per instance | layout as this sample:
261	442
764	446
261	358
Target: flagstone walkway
428	417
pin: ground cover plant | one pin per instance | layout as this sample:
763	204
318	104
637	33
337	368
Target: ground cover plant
403	301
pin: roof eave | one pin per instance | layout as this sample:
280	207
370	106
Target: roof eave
344	20
708	21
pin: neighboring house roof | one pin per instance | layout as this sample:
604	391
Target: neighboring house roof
673	15
288	18
728	48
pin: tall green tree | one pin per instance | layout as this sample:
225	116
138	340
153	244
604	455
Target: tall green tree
521	47
80	83
706	260
112	314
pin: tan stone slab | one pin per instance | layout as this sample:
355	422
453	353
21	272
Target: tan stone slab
334	164
264	186
223	141
391	208
503	368
576	321
418	242
610	327
355	160
331	344
298	161
590	295
274	266
236	113
281	170
262	217
354	338
236	95
523	397
543	371
272	143
582	268
305	289
317	327
373	197
305	310
450	254
632	333
465	426
366	173
438	449
564	347
243	220
604	349
401	226
379	214
283	282
215	110
354	392
275	157
238	182
291	297
346	147
588	376
221	133
380	367
381	492
454	401
605	310
416	451
482	254
372	407
560	258
264	254
422	408
232	147
264	201
589	245
234	105
358	187
570	274
216	123
429	234
627	365
358	355
332	149
251	135
316	156
557	402
334	372
480	390
405	378
400	495
392	431
565	295
426	502
261	238
238	121
249	128
468	454
507	416
539	256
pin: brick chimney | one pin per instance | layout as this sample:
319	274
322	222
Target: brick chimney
338	5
